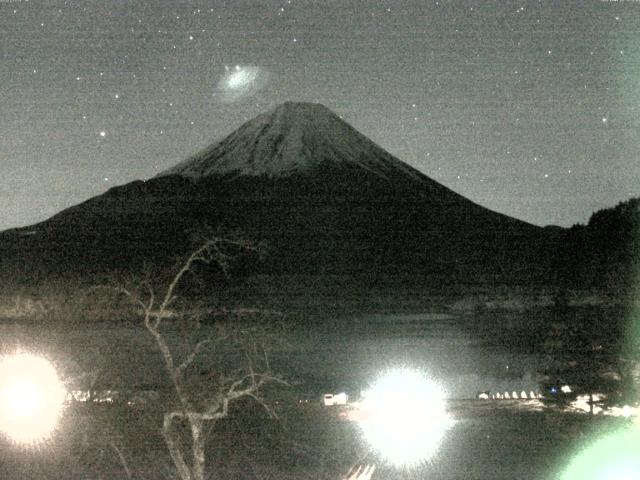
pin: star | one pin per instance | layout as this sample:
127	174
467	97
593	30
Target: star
103	134
604	119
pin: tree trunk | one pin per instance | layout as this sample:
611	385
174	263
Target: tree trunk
198	439
174	450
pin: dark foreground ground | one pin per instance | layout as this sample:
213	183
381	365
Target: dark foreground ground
466	349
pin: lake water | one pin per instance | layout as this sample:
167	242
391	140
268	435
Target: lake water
348	353
464	353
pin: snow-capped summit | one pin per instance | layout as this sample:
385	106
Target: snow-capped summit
291	138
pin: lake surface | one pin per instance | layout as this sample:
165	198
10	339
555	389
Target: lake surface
348	353
465	353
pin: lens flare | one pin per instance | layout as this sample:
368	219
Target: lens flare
405	417
613	457
31	397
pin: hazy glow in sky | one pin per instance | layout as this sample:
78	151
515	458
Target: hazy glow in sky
530	109
240	82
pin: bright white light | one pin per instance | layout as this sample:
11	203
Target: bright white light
613	456
565	389
31	397
240	82
241	78
405	417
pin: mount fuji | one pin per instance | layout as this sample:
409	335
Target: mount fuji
323	197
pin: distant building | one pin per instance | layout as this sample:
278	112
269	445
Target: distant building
330	399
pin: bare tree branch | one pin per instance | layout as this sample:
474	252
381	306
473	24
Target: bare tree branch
123	460
191	356
193	411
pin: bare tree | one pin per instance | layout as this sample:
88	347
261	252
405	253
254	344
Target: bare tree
199	401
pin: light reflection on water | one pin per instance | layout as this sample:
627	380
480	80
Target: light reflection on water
351	351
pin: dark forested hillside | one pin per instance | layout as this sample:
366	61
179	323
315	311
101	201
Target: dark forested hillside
605	253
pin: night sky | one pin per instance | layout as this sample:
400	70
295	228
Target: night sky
528	108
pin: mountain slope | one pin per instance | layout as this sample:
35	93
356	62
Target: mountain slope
292	138
323	197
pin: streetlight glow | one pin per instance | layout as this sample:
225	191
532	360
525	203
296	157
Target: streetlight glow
404	417
31	397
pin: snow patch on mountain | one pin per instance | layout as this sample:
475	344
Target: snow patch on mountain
291	138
